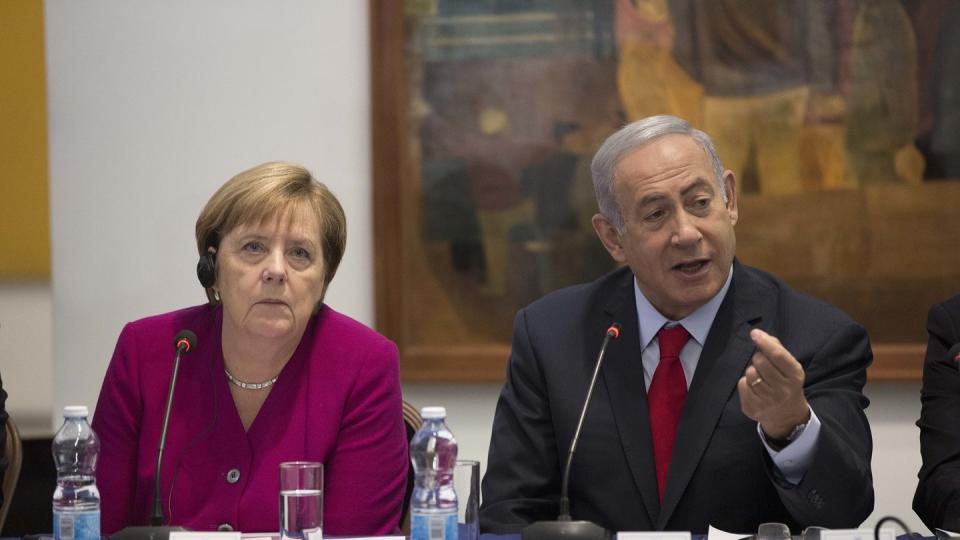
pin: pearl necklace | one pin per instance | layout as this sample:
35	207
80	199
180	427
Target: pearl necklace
250	386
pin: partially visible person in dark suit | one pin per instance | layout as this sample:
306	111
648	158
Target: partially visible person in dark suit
729	398
937	500
3	436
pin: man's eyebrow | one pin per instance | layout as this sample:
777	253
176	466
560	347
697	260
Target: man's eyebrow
652	198
699	183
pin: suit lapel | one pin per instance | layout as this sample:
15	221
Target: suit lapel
623	378
724	357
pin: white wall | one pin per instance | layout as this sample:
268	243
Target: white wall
152	105
896	450
26	343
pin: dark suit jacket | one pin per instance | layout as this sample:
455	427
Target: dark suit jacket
720	473
937	500
4	459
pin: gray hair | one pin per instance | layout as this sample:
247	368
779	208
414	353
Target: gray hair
631	137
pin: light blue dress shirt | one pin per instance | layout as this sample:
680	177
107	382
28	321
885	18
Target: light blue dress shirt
794	459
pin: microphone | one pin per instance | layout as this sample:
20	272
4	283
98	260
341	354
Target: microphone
954	353
564	527
184	342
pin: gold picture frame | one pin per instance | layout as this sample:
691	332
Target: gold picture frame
485	115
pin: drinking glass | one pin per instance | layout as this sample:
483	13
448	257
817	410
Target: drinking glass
301	500
773	531
466	481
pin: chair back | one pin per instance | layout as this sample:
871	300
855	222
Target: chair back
412	421
14	454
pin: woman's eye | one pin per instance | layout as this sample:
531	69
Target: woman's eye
701	203
300	253
253	247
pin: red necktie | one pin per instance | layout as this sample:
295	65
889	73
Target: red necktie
668	390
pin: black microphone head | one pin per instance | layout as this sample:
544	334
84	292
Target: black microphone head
954	354
185	340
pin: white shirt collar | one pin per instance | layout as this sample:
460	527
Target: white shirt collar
697	323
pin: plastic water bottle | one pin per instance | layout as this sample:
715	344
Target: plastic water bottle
433	505
76	501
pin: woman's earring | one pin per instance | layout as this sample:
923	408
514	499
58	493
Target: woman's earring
216	295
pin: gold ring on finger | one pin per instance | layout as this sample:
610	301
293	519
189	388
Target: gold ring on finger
756	381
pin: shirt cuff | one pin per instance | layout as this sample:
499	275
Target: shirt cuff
794	459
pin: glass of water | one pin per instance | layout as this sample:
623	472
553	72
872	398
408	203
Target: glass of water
301	500
466	481
773	531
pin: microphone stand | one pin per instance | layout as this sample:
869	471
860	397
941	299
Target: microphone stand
564	527
184	342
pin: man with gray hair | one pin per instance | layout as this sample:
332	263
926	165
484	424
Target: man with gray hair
729	399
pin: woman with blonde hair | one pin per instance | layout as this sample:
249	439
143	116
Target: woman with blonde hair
276	375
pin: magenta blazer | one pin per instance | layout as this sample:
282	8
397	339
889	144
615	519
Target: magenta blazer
336	401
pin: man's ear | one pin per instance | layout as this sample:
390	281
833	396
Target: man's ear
609	237
730	186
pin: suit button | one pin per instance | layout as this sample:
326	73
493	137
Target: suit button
815	499
233	476
224	527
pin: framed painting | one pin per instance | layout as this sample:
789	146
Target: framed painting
839	119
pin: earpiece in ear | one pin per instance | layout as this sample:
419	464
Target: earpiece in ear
207	268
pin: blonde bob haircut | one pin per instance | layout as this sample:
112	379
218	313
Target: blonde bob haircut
265	191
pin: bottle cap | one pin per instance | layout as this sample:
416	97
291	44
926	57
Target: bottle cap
433	412
75	411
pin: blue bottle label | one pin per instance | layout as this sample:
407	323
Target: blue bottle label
433	526
76	525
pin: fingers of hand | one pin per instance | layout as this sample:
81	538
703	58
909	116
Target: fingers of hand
749	401
767	370
773	379
757	400
753	376
769	345
765	389
776	355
